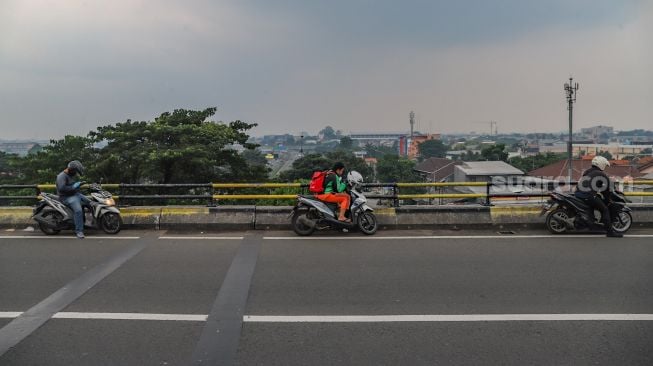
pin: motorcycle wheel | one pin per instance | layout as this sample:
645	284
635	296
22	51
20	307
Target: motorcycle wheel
556	226
110	223
54	216
299	228
621	226
367	223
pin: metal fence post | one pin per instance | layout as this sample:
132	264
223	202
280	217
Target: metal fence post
395	193
487	194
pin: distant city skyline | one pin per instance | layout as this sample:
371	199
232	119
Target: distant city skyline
68	67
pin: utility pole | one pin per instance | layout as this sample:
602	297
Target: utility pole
412	123
571	89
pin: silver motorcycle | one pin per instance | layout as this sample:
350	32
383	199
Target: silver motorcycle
52	215
310	214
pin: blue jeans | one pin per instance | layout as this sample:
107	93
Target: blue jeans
75	203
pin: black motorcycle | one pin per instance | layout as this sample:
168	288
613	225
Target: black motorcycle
566	212
52	215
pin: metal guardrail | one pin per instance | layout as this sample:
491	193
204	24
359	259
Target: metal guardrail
215	191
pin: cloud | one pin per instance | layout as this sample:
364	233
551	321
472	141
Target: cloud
292	66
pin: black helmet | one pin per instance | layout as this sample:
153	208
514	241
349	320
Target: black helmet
76	167
338	165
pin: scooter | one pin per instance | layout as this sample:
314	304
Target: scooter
310	214
566	212
52	215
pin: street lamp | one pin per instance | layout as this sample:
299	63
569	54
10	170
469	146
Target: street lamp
301	144
571	89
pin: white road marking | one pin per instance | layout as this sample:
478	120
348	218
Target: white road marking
201	237
445	318
351	318
69	237
132	316
507	236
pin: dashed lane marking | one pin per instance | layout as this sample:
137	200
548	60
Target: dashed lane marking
201	237
69	237
443	237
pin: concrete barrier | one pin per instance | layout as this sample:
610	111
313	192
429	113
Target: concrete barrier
277	217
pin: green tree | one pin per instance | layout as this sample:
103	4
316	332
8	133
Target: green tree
605	154
346	143
393	169
495	153
537	161
304	167
254	157
328	132
432	149
44	166
351	163
177	147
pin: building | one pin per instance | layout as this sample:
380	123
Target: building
597	133
437	169
485	171
376	139
408	146
618	151
559	170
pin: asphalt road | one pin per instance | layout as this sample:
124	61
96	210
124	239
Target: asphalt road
383	300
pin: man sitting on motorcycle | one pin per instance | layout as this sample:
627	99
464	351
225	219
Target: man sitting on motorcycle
68	191
335	190
594	182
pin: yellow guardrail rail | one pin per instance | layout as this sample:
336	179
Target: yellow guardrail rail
256	185
443	184
253	196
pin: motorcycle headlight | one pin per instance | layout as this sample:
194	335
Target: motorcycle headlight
110	202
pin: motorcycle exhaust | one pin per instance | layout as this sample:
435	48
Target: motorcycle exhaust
48	223
306	221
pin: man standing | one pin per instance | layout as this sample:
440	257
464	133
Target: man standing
68	191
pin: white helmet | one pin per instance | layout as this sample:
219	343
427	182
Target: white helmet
354	177
600	162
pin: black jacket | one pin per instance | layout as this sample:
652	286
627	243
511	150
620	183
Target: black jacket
593	181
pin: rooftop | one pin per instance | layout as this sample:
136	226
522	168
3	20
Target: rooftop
489	168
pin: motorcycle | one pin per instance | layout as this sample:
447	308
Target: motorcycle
310	214
52	215
567	212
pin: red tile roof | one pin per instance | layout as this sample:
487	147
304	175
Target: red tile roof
560	169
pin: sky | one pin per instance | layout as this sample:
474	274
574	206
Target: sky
69	66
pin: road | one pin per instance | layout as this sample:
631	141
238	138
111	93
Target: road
271	298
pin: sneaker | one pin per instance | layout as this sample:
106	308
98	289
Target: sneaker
79	235
614	234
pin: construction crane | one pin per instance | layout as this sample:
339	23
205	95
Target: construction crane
493	127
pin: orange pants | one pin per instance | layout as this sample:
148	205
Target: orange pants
342	199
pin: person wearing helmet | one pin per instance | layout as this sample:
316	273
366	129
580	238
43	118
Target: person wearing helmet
335	190
593	187
68	191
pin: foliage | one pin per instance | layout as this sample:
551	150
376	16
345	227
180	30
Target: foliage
304	167
495	153
177	147
380	151
605	154
393	169
432	149
346	143
530	163
328	133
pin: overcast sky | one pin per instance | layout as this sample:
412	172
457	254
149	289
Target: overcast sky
69	66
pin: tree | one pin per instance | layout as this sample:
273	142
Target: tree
254	157
432	149
177	147
351	163
537	161
605	154
495	153
44	166
328	133
648	150
392	169
379	151
304	167
346	143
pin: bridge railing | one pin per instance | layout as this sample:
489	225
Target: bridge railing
223	193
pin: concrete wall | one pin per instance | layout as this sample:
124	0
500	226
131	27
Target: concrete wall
276	217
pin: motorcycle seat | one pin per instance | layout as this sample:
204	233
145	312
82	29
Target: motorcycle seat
579	201
332	206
